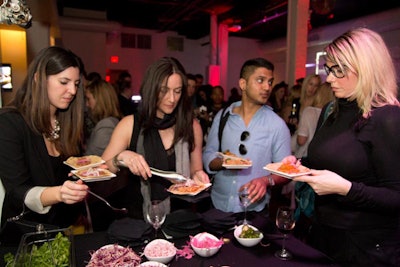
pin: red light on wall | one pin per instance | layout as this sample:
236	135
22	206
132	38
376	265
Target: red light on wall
114	59
108	78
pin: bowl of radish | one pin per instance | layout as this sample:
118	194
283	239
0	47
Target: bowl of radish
160	250
205	244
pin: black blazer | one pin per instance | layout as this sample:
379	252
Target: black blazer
25	163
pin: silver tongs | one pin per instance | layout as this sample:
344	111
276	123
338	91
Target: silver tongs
173	177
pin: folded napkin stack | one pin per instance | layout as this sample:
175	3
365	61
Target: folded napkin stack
182	223
218	222
129	232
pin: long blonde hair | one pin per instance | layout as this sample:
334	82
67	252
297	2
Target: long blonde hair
363	52
323	96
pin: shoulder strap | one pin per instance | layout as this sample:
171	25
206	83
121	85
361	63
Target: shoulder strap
328	110
135	132
224	119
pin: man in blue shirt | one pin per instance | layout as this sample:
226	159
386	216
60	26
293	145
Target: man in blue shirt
252	131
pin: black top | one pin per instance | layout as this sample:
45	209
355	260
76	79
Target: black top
365	152
25	163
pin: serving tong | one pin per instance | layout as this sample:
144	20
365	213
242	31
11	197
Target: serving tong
173	177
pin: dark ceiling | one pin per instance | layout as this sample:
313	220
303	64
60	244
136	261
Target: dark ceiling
191	18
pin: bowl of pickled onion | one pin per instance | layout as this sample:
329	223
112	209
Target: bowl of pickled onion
205	244
160	250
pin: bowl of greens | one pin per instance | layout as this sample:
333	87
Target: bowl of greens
248	235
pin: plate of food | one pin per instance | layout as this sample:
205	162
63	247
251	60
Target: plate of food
189	187
232	161
93	174
287	170
84	162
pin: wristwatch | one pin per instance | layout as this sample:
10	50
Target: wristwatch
115	162
271	181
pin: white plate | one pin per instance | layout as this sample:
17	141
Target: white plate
152	264
273	168
205	186
109	176
100	161
236	167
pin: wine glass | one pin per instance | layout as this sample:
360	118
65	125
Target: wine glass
285	222
245	200
156	214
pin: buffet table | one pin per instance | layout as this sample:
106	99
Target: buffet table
231	253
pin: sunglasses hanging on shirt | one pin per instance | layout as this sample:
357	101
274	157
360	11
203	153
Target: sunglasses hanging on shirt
243	137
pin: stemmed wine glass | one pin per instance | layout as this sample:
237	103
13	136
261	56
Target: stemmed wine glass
285	222
156	214
245	200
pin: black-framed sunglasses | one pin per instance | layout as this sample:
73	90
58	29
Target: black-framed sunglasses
243	137
335	70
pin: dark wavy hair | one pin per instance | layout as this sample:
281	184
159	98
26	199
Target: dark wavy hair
32	100
150	89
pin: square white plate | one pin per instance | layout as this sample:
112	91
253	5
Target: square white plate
109	175
273	168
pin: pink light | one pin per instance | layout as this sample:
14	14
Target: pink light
234	28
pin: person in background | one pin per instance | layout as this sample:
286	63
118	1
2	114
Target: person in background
309	120
42	127
291	110
253	131
203	103
235	96
199	80
92	76
103	110
102	102
354	156
169	138
124	84
309	90
278	98
191	80
217	103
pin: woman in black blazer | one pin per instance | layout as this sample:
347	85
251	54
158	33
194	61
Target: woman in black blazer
40	128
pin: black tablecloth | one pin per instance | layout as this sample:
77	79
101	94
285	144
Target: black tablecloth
231	254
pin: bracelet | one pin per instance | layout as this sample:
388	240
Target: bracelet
115	162
271	181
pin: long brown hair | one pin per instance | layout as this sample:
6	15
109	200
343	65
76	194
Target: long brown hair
150	90
106	100
32	100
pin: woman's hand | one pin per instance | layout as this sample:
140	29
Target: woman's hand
136	163
73	192
201	176
326	182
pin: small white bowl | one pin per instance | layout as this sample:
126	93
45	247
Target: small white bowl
152	264
205	252
247	242
153	250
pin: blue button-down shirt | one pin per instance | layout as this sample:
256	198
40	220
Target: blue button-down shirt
269	141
